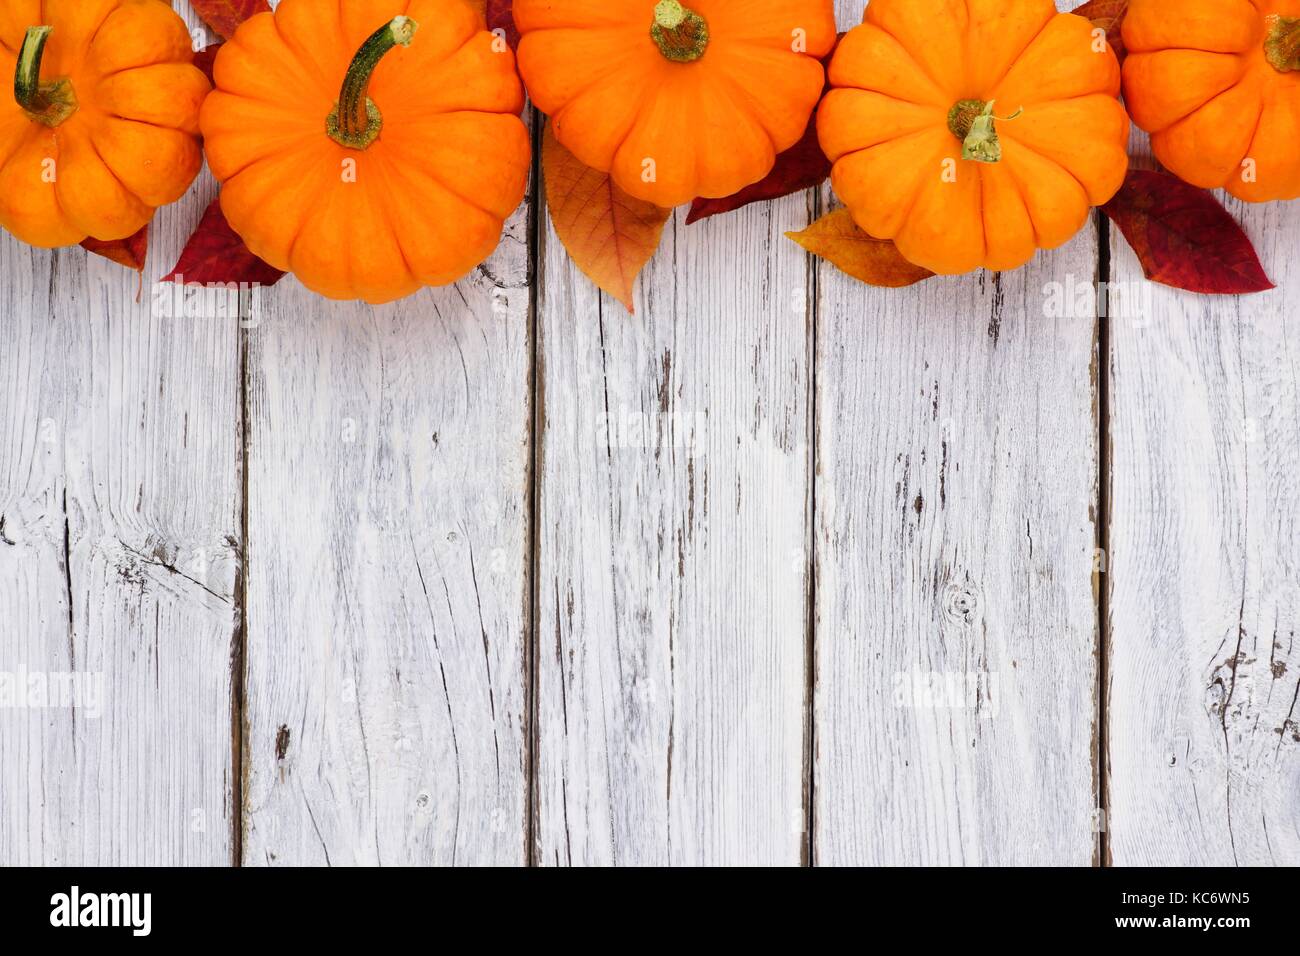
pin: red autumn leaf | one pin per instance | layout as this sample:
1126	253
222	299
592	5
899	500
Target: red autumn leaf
216	255
129	252
225	16
501	16
1109	15
802	166
206	59
1184	237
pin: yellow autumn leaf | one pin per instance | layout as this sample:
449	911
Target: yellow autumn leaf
609	235
836	238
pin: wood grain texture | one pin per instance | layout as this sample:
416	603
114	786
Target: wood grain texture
956	624
1204	725
119	545
790	549
955	619
672	571
388	476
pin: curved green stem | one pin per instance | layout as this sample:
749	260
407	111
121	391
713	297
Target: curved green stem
356	121
48	103
974	123
681	35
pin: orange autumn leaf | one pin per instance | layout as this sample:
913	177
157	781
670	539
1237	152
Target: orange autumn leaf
836	238
609	234
129	252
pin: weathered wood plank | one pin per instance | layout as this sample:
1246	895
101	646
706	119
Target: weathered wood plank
119	542
672	576
388	558
1204	726
956	624
955	532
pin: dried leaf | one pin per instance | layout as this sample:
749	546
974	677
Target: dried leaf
1184	237
500	16
836	238
802	166
216	255
225	16
1109	16
129	252
206	59
609	234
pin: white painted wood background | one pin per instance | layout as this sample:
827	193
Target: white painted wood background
501	575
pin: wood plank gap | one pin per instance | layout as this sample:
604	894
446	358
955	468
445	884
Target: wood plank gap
810	638
1103	539
239	640
535	393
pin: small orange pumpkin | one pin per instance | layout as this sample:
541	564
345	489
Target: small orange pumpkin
1217	85
676	101
102	127
368	162
973	132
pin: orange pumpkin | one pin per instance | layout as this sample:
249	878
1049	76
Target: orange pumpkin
1217	85
368	162
102	126
676	101
973	132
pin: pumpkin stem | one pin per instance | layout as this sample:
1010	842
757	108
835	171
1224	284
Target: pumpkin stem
48	103
681	35
356	121
1282	45
974	123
